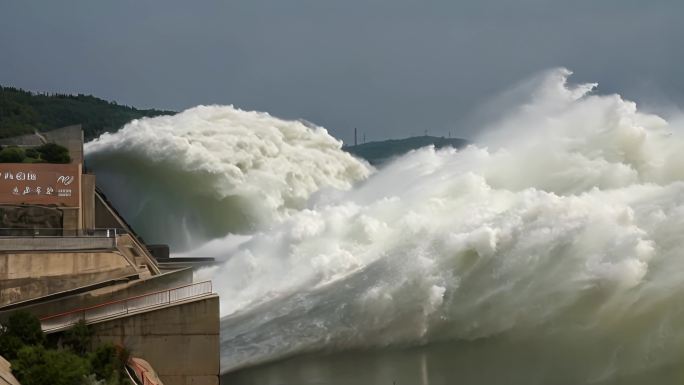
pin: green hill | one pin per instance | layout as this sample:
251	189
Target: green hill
23	112
381	151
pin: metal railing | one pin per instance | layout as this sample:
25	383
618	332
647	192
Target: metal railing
60	232
56	243
125	306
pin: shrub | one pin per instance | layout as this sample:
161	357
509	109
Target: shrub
10	346
12	155
105	362
32	160
78	338
36	365
54	153
22	342
108	361
22	328
32	153
91	379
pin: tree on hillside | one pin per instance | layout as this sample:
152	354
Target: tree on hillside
23	112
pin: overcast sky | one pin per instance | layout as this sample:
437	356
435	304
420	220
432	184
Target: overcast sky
392	68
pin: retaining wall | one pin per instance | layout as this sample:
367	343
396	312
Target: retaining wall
180	341
27	275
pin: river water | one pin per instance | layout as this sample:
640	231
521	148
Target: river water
476	362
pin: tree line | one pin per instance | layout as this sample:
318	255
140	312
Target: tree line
24	112
73	358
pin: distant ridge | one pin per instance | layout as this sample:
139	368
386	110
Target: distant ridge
24	112
378	152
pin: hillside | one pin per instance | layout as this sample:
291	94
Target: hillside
378	152
23	112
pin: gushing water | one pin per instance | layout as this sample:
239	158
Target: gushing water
562	226
213	170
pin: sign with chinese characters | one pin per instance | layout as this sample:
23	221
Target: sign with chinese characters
40	183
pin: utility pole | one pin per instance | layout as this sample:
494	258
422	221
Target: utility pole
355	141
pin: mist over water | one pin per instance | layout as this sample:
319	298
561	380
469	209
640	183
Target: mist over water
557	237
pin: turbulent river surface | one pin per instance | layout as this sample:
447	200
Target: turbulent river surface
549	252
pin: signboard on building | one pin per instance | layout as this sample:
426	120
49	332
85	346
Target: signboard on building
40	184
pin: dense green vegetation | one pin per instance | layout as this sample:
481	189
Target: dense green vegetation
21	329
23	112
381	151
72	360
46	153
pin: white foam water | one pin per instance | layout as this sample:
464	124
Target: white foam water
564	222
211	170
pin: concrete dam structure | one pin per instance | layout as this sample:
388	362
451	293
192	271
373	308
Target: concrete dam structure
66	255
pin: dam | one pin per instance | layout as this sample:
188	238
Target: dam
67	256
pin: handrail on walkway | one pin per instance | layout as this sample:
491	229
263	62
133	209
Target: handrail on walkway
125	306
111	232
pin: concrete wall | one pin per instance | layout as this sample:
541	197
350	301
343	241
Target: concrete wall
70	137
181	342
104	218
129	246
71	219
88	200
110	293
107	217
29	217
27	275
6	377
24	140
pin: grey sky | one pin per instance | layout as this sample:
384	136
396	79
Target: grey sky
390	68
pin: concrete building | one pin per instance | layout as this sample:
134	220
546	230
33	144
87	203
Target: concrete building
66	255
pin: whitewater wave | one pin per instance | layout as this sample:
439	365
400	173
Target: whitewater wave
213	170
564	223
